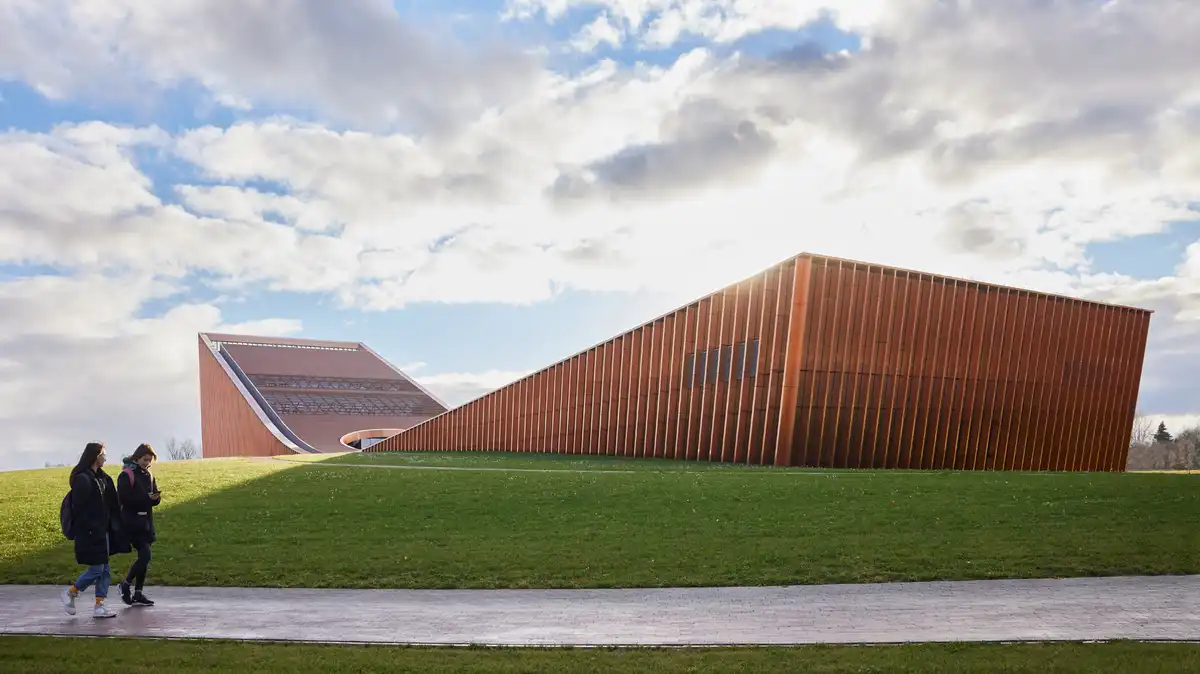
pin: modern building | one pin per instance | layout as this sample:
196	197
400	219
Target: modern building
266	396
819	361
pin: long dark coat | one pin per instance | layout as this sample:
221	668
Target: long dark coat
134	486
96	518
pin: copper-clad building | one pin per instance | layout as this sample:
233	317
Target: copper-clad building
819	361
266	396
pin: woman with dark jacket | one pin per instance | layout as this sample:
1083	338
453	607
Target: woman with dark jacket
138	495
96	528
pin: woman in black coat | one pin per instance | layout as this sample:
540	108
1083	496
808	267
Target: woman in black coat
138	494
96	528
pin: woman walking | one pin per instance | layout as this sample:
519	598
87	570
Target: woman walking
138	493
96	526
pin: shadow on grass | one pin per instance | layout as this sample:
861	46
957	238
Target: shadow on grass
274	524
32	548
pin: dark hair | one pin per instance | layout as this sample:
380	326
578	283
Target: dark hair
143	449
90	452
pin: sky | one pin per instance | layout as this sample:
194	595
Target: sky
477	189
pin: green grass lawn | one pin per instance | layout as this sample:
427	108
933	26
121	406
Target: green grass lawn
280	524
47	654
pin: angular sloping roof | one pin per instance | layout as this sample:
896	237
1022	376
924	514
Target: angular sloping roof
309	393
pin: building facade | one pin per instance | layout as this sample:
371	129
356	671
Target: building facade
820	361
265	396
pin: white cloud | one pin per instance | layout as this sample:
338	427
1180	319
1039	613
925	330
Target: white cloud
354	59
81	362
456	388
1176	423
662	23
942	147
600	31
80	202
234	203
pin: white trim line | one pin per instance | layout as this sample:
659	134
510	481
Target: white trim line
282	346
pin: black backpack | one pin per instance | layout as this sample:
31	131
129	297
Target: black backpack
65	519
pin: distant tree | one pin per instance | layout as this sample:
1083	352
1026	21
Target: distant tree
1179	453
1161	436
1188	442
1143	430
181	451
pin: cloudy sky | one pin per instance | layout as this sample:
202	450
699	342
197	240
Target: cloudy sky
477	188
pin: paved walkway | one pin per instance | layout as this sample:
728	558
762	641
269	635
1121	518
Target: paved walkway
1152	608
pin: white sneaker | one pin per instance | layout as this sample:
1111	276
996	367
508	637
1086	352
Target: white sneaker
101	611
68	601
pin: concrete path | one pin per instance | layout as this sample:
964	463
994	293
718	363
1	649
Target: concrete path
1151	608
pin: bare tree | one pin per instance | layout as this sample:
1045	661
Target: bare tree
1180	453
1188	443
1143	430
181	451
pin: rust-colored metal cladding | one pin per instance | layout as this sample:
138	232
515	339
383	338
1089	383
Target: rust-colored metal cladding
266	396
820	361
230	425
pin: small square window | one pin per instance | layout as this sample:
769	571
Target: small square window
726	361
739	360
701	366
689	364
714	356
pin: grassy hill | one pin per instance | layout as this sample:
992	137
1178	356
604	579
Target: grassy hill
632	523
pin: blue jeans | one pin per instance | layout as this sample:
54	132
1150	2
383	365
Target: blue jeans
100	574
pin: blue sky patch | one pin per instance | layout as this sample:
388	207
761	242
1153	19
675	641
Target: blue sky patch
1151	256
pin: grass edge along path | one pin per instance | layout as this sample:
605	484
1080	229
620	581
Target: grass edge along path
133	656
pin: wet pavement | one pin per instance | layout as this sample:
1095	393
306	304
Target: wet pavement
1145	608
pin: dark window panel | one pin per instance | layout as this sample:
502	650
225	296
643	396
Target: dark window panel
752	361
